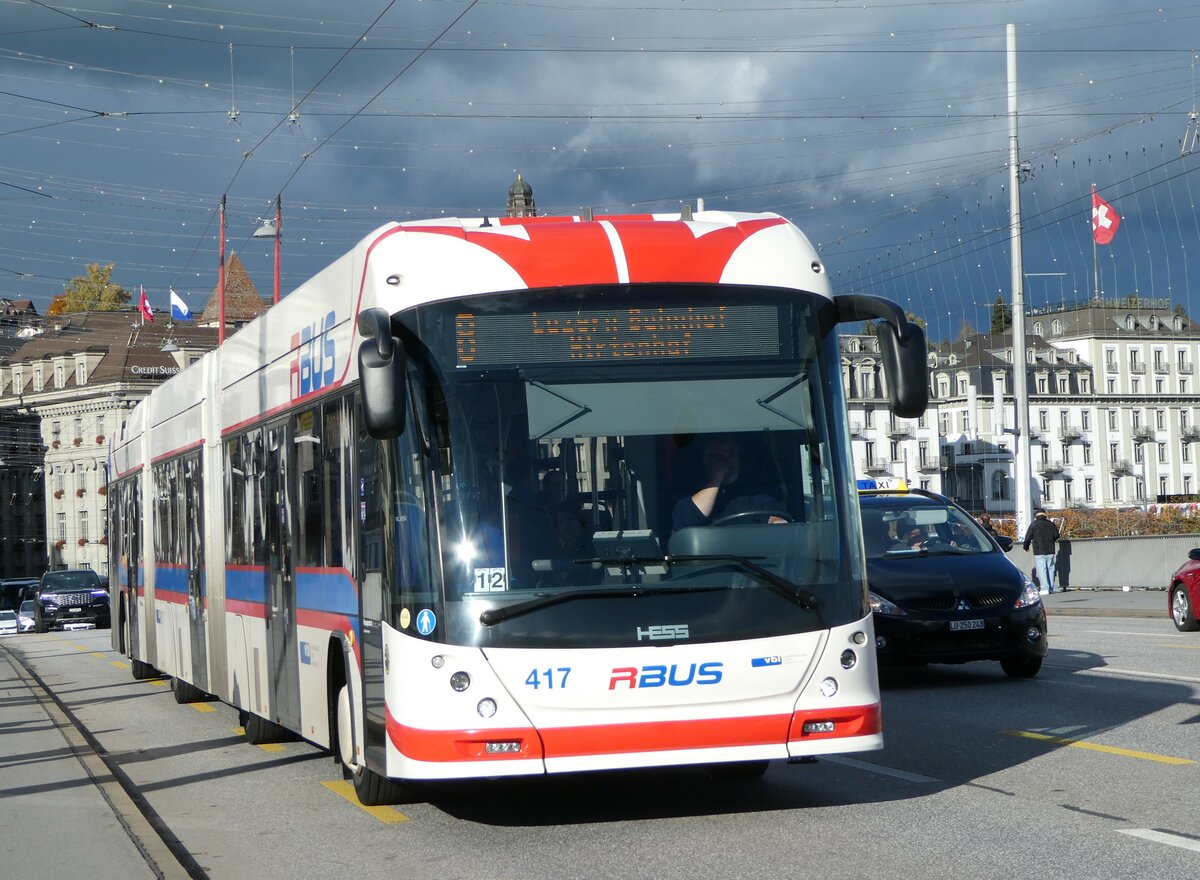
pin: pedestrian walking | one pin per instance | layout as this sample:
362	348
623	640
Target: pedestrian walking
1042	534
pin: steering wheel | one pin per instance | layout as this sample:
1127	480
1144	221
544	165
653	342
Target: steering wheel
746	514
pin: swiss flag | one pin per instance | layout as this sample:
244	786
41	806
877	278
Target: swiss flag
144	307
1105	220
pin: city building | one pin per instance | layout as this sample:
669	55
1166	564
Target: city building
1112	400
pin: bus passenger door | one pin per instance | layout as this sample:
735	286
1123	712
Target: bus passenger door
193	549
281	622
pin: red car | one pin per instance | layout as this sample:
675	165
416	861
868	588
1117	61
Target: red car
1184	595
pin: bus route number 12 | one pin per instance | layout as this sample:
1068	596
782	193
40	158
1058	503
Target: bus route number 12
490	580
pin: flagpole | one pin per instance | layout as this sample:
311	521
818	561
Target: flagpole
221	279
1095	253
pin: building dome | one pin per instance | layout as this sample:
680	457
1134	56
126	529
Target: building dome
520	199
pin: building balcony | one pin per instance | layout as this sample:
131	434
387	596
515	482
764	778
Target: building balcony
1120	468
856	429
1189	435
1162	369
1143	435
899	432
1184	368
930	464
1138	369
1070	435
875	465
1112	367
1049	468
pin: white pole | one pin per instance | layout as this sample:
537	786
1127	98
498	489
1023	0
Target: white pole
1024	471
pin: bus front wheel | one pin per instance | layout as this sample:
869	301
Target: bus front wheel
372	789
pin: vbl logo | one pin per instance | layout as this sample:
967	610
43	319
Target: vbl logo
659	676
312	367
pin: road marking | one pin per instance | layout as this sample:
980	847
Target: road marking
878	768
1136	673
272	747
1164	837
202	707
1096	747
80	647
1118	632
98	655
1181	647
344	789
159	683
120	664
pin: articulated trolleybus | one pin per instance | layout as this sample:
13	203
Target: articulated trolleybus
530	496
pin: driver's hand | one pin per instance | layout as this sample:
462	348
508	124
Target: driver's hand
776	519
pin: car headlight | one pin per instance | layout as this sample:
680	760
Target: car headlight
880	605
1029	594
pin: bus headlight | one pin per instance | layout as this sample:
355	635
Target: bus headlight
828	687
486	707
460	681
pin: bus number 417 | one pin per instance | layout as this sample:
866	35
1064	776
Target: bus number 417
551	678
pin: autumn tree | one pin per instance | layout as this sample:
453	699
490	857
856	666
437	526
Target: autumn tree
93	292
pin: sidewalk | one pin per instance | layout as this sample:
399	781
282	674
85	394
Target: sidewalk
1108	602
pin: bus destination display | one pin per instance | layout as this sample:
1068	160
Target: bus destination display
617	335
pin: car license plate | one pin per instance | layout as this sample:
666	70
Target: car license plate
966	624
74	610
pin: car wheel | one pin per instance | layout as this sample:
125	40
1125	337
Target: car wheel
1181	610
1021	666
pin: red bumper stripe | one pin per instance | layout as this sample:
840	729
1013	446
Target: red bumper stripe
609	739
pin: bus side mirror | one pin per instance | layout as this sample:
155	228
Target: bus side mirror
381	375
901	347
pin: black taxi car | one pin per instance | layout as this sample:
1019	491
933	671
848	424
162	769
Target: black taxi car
942	589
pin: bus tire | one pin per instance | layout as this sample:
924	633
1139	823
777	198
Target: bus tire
260	731
371	789
142	670
186	692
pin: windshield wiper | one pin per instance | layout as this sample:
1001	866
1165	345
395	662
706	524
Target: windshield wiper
807	599
507	612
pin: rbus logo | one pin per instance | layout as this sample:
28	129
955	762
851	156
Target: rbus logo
313	363
675	675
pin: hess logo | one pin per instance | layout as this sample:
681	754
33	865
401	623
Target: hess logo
669	631
675	675
313	362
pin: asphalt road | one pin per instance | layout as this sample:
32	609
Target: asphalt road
1091	770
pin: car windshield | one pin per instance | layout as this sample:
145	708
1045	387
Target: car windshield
27	608
915	525
8	615
71	580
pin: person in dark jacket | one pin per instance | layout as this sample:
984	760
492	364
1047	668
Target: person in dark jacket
1042	535
723	493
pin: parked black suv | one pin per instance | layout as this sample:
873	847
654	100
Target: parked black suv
71	599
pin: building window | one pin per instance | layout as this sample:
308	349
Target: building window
78	427
1043	419
1159	386
1087	454
1085	383
894	450
37	379
1041	384
1113	452
923	452
1135	419
868	418
1136	386
964	421
962	385
1116	488
870	452
944	423
1063	384
1056	327
1162	453
1187	485
1185	453
1066	492
1037	328
61	524
60	376
925	485
1089	489
1160	419
81	373
1112	420
83	525
1111	384
999	486
1138	455
1162	485
1140	487
1085	420
1046	493
1184	416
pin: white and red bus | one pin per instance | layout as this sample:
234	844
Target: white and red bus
449	509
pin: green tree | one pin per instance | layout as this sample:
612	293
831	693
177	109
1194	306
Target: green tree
869	327
93	292
1001	316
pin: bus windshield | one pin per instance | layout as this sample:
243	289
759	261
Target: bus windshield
615	466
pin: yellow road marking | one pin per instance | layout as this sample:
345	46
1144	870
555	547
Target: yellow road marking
1181	647
344	789
120	664
80	647
1110	750
98	655
272	747
240	731
159	682
202	707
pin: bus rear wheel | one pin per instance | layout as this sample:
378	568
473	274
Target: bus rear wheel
260	731
142	670
186	692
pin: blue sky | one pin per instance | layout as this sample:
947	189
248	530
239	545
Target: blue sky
880	128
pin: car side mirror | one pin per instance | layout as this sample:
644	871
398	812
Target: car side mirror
1194	554
1005	542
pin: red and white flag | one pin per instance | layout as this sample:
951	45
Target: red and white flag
1105	219
144	306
